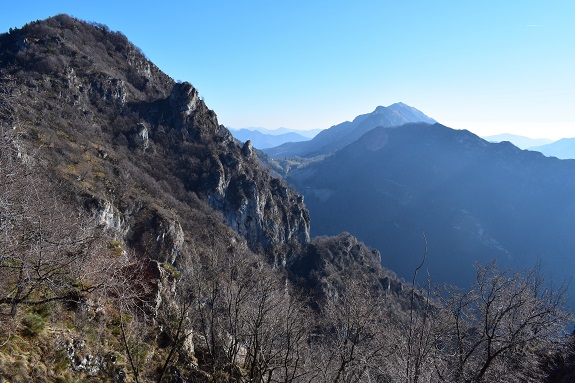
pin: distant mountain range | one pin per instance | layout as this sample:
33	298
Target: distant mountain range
338	136
521	142
474	200
263	141
262	138
563	149
311	133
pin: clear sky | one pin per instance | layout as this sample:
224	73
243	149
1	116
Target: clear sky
504	66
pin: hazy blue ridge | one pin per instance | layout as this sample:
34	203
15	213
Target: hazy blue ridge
563	149
262	140
475	201
340	135
521	142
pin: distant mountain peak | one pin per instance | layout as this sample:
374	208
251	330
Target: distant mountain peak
401	105
341	135
410	112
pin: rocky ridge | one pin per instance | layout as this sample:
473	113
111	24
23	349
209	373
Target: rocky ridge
113	96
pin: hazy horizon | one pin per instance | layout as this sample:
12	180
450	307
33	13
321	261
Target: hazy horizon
490	67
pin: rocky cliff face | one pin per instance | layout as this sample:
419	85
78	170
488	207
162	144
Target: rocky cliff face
117	121
257	206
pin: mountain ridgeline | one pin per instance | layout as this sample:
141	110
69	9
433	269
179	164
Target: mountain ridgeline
473	200
264	139
338	136
141	243
96	89
520	141
563	149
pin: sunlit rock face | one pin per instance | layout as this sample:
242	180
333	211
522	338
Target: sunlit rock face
115	124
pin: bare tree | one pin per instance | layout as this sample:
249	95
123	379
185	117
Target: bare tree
178	331
207	292
129	291
347	342
503	327
413	340
174	316
416	337
248	323
44	242
276	330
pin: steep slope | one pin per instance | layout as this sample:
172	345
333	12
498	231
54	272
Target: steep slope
473	200
109	119
563	149
338	136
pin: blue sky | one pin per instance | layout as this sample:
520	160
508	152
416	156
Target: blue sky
487	66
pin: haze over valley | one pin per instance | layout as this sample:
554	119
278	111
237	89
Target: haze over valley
396	179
